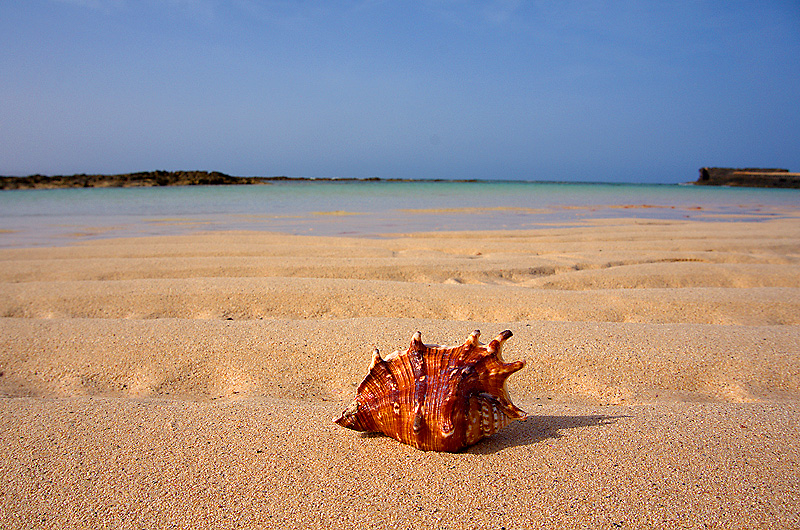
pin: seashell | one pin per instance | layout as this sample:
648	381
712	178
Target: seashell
436	398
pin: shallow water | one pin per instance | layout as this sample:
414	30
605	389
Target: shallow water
361	208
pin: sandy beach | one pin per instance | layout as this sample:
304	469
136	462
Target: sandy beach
191	381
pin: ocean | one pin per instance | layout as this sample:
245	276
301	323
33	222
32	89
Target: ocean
363	208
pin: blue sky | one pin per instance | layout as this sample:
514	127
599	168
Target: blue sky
589	90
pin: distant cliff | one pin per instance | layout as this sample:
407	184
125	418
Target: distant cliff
127	180
750	177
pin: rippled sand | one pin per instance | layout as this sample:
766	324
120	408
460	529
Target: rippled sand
192	380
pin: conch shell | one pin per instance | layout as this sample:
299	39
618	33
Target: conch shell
436	398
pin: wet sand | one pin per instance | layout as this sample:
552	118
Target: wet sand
191	381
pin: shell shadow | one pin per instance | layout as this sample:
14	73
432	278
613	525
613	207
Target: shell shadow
536	429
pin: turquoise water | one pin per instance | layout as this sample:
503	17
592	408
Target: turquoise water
361	208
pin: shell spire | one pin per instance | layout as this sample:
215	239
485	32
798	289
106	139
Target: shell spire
436	398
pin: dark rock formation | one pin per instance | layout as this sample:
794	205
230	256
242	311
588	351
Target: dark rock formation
127	180
751	177
169	178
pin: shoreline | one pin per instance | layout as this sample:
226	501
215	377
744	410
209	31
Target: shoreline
117	217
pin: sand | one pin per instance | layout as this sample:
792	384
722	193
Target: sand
191	381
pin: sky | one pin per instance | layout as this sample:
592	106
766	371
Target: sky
587	90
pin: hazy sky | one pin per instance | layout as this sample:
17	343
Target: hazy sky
587	90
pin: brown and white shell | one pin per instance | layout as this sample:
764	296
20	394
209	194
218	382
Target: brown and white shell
436	398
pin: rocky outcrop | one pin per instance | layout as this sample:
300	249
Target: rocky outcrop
127	180
750	177
170	178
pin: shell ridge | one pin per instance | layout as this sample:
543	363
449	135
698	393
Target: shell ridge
448	393
458	373
401	364
505	406
435	369
417	358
